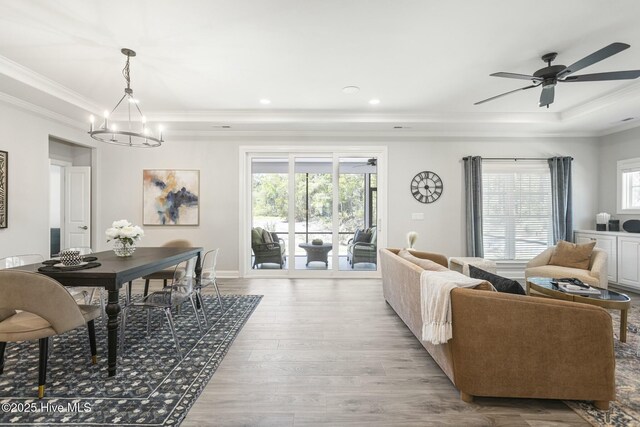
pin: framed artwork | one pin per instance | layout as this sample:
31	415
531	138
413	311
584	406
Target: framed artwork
4	187
170	197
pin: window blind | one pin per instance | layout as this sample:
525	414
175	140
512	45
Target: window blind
516	205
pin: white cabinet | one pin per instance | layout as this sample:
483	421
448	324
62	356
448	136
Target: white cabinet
623	252
607	244
629	261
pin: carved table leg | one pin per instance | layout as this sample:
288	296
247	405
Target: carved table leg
113	308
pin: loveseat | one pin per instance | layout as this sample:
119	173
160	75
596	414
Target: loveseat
508	345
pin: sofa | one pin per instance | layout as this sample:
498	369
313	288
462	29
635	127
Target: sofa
508	345
595	275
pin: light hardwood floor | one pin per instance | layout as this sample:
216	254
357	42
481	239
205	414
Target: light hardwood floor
332	352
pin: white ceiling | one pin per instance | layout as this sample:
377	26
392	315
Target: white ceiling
206	63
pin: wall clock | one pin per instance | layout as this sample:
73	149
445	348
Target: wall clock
426	187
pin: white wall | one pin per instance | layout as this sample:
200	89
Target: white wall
118	183
443	227
618	146
26	137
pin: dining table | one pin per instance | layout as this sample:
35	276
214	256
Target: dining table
114	272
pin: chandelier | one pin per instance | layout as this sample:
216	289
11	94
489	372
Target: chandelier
111	133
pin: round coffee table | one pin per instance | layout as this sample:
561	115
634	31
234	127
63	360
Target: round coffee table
607	299
317	252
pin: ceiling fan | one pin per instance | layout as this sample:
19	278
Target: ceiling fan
550	75
370	162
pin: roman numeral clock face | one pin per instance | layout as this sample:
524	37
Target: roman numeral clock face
426	187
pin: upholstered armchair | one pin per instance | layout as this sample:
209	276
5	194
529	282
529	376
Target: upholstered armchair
36	307
595	275
267	248
361	249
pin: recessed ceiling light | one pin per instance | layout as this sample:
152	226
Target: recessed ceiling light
351	89
265	101
374	101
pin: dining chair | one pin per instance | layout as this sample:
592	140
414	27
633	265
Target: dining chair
20	260
167	274
172	296
208	278
86	250
36	307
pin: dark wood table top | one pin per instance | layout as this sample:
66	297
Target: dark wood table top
115	270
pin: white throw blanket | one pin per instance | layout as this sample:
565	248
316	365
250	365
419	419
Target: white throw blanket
435	290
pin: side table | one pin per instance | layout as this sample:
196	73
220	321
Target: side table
317	252
461	264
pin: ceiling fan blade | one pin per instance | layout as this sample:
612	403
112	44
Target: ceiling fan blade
547	95
613	75
596	56
504	94
516	76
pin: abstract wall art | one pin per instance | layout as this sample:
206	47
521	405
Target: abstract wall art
171	197
4	187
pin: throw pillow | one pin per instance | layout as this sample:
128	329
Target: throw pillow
266	236
572	255
425	264
502	284
362	236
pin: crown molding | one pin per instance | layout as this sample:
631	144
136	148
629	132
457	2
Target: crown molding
42	112
37	81
631	91
342	116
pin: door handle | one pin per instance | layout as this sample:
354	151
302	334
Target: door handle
84	227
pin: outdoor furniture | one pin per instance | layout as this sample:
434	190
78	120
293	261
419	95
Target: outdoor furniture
363	247
115	271
267	248
36	307
317	252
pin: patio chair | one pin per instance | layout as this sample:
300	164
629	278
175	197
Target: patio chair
267	248
362	247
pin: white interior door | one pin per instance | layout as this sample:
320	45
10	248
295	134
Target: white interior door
77	211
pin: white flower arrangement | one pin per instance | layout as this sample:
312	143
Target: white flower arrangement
124	231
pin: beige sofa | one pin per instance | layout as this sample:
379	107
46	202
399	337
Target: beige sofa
596	275
507	345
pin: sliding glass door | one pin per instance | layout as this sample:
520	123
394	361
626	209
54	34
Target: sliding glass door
312	213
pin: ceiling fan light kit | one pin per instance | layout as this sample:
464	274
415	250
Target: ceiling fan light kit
549	76
109	131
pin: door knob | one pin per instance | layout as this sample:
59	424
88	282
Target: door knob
84	227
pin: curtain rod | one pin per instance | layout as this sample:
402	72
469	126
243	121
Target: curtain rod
515	159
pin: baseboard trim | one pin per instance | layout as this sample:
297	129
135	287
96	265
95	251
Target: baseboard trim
228	274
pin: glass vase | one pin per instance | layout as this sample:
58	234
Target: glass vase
122	248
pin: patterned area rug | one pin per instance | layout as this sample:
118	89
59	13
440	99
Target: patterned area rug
153	387
625	411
